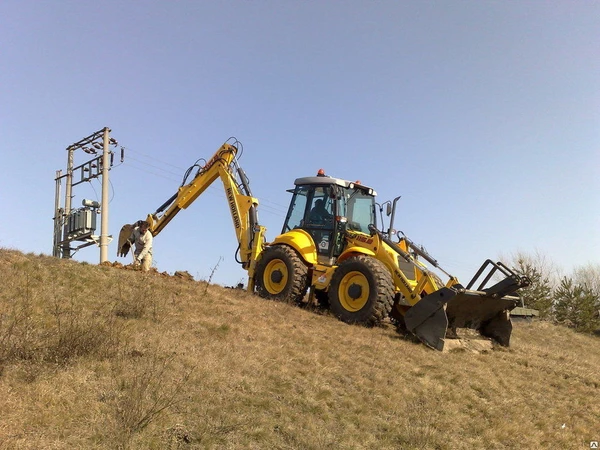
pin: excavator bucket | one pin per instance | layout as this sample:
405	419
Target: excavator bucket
483	309
124	245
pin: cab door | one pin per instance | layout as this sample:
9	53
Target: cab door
320	220
306	202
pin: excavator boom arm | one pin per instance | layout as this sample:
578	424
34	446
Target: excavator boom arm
188	193
242	206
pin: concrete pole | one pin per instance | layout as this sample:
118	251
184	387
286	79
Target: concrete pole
104	204
57	217
66	250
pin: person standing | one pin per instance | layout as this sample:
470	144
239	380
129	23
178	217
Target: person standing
142	239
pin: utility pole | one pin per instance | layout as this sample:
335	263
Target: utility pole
66	250
79	224
104	208
58	214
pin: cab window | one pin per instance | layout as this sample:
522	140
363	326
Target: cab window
295	217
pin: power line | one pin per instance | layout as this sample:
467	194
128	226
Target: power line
154	158
153	173
153	166
262	199
215	191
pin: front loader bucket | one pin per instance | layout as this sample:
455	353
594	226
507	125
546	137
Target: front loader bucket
484	309
427	319
487	309
487	314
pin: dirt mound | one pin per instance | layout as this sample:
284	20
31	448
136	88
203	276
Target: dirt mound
184	275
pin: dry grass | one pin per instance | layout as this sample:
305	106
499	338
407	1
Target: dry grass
101	358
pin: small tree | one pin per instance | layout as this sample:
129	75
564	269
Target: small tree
538	294
589	276
575	305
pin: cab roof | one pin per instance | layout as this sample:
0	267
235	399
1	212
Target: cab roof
327	180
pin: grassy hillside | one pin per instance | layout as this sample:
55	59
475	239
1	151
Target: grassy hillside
96	357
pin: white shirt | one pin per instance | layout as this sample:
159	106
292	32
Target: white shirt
143	243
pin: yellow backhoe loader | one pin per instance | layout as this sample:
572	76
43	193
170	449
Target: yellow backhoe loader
330	246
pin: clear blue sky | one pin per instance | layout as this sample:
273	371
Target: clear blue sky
483	115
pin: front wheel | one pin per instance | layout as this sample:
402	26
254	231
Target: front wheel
362	291
281	275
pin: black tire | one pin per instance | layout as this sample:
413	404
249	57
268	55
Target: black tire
362	291
281	275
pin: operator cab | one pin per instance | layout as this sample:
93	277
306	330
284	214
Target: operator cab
325	207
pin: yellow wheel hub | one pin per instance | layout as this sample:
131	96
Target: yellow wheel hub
353	291
275	277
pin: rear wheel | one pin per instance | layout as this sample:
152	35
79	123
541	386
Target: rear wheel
362	291
281	275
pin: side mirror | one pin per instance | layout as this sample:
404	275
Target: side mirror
372	229
388	210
